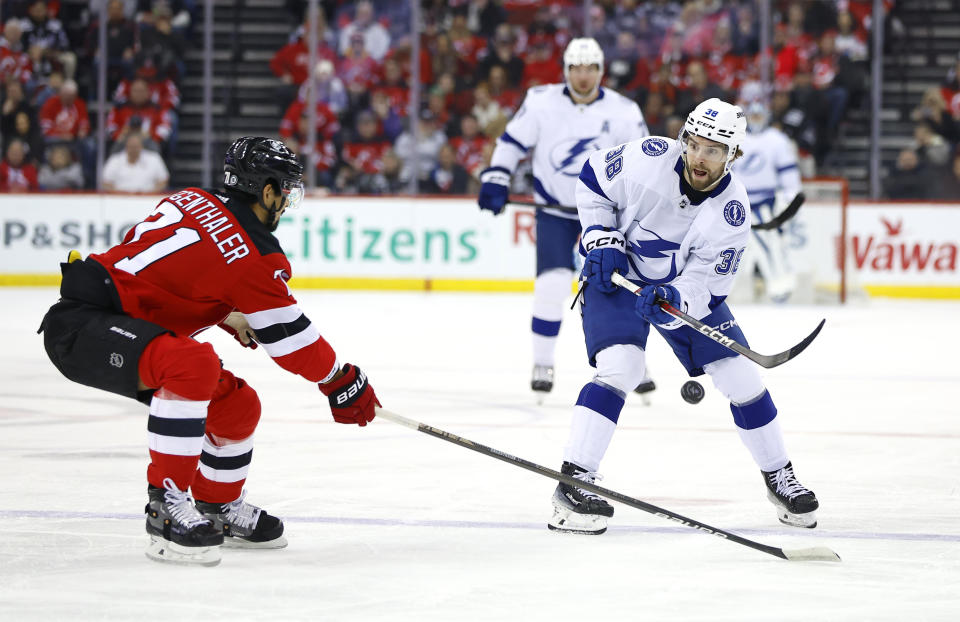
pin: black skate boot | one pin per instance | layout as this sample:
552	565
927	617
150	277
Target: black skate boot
576	510
542	379
796	506
244	525
646	386
178	532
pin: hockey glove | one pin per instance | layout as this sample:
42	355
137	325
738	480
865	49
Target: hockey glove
648	307
605	255
351	397
495	185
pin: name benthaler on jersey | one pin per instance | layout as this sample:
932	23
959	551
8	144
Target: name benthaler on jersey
213	221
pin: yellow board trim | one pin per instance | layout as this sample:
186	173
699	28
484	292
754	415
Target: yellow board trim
934	292
344	283
941	292
420	285
29	280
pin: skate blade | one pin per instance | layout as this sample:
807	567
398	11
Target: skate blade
568	521
164	551
231	542
785	516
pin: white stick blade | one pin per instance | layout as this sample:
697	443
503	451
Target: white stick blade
814	554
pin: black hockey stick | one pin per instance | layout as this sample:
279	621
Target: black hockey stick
819	553
562	208
784	216
763	360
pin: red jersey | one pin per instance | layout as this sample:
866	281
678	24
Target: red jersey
469	151
199	256
293	59
154	122
163	94
18	178
57	120
366	156
327	122
15	65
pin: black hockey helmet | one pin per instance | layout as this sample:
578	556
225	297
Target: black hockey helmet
253	161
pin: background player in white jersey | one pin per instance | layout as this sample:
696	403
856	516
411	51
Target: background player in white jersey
669	216
562	124
768	170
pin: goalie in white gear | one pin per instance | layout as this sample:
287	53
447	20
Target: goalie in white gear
770	174
670	217
561	124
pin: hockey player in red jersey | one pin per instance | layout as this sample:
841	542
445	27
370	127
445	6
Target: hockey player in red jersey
125	323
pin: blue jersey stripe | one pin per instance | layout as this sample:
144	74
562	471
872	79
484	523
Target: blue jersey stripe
589	179
507	138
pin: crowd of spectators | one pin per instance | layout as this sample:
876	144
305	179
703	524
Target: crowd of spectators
929	168
49	63
477	59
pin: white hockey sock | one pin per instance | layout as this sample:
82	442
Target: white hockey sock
766	445
590	435
226	461
550	290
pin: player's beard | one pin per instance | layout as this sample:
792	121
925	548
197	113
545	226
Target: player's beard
275	221
710	180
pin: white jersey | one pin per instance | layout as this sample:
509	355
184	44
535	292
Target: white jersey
562	134
768	166
635	188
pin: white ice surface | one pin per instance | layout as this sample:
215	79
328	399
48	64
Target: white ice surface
385	523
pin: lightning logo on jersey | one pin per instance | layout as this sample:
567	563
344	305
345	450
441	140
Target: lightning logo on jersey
572	157
559	135
655	249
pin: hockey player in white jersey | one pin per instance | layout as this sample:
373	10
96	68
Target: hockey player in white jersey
669	216
768	170
562	124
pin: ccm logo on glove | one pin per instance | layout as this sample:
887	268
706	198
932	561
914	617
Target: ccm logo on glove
601	242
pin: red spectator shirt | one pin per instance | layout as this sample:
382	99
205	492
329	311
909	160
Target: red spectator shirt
15	65
57	119
397	94
22	179
199	256
364	70
366	156
724	70
163	94
293	59
155	123
327	122
469	151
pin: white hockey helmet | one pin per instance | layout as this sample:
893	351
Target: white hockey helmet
716	120
758	116
583	51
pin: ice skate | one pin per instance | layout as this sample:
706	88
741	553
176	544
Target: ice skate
646	386
244	525
541	381
179	533
796	505
576	510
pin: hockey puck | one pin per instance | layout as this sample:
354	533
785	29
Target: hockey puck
692	392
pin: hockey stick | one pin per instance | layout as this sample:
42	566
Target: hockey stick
784	216
818	553
763	360
562	208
